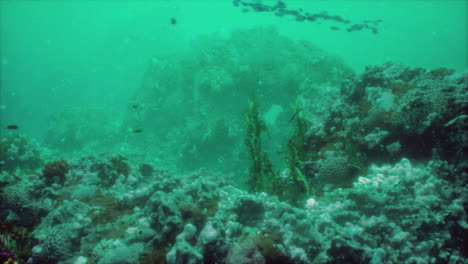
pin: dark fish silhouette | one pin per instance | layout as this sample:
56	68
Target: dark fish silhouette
12	127
280	9
280	5
173	21
137	130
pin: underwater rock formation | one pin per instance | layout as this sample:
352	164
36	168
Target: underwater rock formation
373	165
83	129
19	152
196	97
389	112
400	213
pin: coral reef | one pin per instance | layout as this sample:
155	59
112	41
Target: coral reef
83	129
14	240
373	166
19	152
387	113
55	172
190	103
400	213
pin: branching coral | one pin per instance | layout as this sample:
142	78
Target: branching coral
55	172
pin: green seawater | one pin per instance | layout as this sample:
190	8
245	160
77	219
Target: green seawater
57	55
233	132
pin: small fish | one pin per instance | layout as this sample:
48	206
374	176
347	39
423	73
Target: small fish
173	21
280	5
279	14
312	18
334	28
300	18
12	127
137	130
135	106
